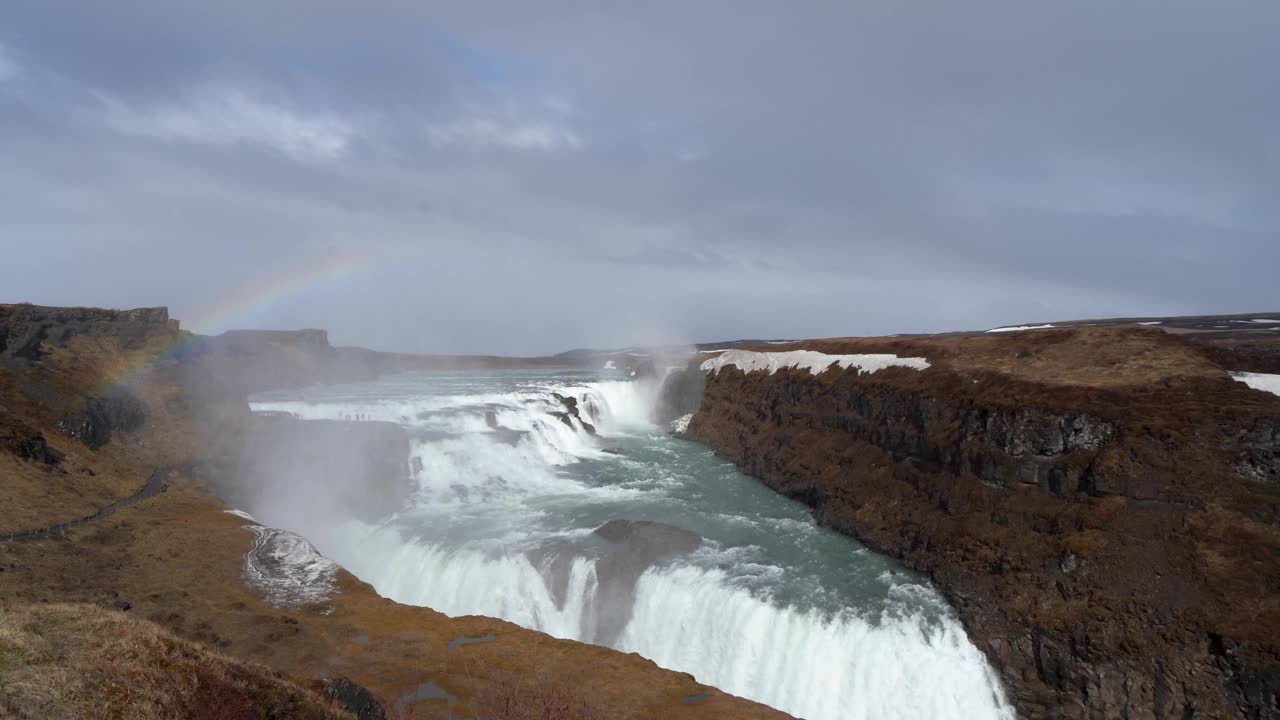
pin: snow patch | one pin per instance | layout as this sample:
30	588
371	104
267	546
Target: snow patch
1259	381
815	362
1152	322
1019	328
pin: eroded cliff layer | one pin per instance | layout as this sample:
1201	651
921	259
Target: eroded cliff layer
1100	504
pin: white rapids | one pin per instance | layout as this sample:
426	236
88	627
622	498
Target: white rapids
770	606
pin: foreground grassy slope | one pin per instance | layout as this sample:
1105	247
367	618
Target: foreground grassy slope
79	661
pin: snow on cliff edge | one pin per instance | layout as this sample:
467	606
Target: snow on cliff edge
1259	381
815	362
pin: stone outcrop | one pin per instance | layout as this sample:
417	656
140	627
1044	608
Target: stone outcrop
27	331
20	439
633	547
100	417
571	413
623	550
1113	548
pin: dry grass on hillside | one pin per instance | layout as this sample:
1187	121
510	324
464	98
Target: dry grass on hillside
1115	356
79	662
531	697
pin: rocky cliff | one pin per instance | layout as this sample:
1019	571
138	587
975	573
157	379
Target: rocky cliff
29	331
1101	505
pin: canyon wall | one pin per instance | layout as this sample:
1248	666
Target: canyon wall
1100	505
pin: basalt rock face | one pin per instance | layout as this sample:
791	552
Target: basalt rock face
1115	551
26	442
571	413
25	330
113	412
77	364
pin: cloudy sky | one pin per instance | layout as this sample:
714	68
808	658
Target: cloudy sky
526	177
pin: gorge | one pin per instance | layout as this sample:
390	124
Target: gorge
1072	521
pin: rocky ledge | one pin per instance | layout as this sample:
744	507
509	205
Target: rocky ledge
1100	504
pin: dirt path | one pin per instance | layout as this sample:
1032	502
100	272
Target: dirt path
150	489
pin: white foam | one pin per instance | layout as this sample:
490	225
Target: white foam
807	664
461	581
815	362
1019	328
680	425
696	620
1259	381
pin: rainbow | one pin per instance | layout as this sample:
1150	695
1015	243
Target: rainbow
242	307
274	291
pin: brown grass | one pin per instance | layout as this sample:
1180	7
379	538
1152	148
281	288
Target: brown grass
1082	356
81	662
514	697
503	695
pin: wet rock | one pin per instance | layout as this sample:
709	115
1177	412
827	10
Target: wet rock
355	698
622	550
634	546
104	416
1259	457
651	538
571	413
570	403
28	444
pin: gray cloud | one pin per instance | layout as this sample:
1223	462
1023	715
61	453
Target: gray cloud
521	177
